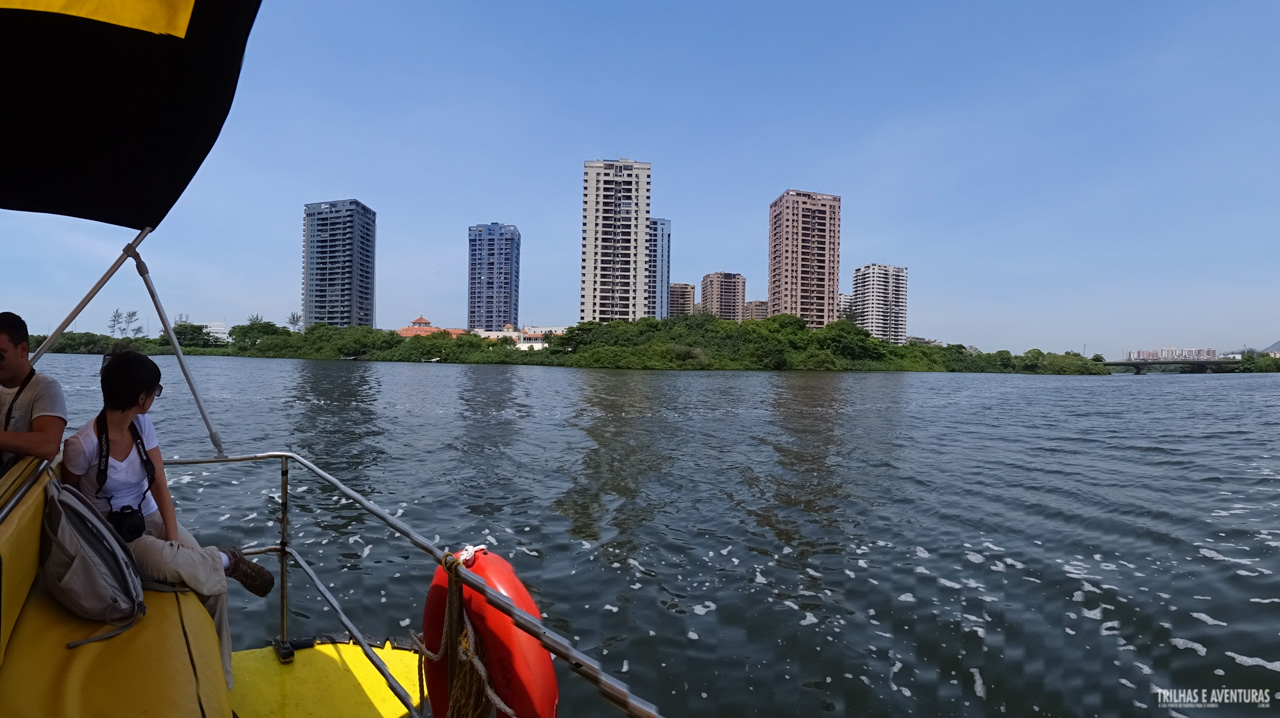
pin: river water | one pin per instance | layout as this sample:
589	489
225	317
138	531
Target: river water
762	544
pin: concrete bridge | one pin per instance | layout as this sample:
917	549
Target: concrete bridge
1198	366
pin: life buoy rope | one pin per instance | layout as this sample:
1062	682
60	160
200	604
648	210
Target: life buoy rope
468	643
465	687
465	640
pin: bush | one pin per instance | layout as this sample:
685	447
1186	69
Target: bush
699	341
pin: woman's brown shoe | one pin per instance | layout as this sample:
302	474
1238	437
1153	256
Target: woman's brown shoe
256	579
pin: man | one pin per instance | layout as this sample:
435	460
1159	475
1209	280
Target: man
33	408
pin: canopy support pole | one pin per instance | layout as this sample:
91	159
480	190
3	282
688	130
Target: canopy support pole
131	248
143	272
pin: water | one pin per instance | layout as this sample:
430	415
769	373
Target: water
768	544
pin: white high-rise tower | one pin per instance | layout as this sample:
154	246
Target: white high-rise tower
615	242
880	301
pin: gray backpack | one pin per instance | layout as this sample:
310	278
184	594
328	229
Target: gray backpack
86	565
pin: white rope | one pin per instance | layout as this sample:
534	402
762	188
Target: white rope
467	554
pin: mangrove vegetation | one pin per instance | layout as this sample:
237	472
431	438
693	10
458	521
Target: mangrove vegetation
700	341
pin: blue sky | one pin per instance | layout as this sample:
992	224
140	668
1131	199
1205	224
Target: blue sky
1054	175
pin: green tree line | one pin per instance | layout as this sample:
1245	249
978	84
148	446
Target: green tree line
700	341
1252	361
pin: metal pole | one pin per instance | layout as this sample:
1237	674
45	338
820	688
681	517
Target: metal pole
177	350
284	549
359	638
613	690
129	249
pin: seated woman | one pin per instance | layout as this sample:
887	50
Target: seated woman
115	461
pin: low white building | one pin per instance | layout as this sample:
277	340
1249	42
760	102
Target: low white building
533	338
217	329
513	334
529	338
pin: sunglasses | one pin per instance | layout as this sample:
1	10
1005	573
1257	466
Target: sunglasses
159	390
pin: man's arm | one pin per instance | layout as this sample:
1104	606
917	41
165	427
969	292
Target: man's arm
41	442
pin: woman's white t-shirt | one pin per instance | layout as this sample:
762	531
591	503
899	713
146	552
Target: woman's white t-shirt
126	479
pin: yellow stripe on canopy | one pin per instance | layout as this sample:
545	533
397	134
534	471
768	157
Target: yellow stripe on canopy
163	17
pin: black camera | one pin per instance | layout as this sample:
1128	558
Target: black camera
128	522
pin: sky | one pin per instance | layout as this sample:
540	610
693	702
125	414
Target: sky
1083	176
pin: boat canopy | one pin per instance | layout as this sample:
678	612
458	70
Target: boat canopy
111	107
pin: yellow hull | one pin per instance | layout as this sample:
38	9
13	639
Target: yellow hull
331	679
167	664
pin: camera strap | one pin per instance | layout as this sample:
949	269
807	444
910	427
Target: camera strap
8	414
104	456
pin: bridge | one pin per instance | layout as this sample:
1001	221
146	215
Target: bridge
1198	366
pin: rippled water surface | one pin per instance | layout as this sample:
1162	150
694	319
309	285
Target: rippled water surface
769	544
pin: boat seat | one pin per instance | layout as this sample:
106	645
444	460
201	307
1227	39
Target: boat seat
167	664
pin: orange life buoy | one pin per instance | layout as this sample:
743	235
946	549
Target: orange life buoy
520	670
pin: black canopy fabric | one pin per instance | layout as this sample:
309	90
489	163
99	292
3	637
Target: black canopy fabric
108	118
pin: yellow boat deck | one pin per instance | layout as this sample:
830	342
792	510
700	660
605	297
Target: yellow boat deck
330	679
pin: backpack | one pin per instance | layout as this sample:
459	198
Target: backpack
86	565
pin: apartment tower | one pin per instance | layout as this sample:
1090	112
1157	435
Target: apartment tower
493	296
880	301
615	241
724	295
338	241
756	309
658	269
681	300
804	256
845	310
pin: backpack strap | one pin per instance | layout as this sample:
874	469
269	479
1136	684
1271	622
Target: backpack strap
160	587
121	628
108	634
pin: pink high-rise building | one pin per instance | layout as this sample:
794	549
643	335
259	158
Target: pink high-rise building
724	294
804	256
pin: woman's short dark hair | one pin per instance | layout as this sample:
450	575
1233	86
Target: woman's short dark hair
126	376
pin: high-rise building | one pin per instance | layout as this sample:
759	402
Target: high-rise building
615	241
804	256
845	306
724	295
681	300
880	301
758	309
658	269
493	298
338	241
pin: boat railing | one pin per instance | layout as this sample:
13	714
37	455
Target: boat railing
613	690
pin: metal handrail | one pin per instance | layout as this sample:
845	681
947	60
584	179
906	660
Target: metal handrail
23	490
131	251
615	691
93	292
359	638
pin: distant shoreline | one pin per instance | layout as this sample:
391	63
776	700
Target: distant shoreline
697	342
